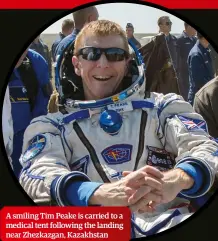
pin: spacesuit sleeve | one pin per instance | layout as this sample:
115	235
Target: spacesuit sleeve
184	133
45	157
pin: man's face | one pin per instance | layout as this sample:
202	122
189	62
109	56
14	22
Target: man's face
129	32
165	26
191	31
100	78
68	31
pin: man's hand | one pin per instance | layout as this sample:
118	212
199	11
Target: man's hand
130	190
175	181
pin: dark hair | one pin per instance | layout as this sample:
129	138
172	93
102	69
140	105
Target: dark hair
129	25
160	19
67	24
199	35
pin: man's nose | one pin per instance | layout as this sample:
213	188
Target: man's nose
103	62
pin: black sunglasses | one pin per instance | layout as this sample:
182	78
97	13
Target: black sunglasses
168	23
94	54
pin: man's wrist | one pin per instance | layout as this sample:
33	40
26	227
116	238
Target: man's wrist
184	180
96	197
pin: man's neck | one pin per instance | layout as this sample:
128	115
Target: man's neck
165	33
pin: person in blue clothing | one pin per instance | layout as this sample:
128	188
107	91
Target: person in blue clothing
185	42
66	29
40	47
81	18
200	67
130	35
30	90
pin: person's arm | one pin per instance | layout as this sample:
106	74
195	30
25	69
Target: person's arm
50	64
46	175
53	48
196	74
209	112
45	87
196	153
178	56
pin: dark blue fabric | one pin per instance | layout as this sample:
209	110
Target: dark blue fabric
65	42
21	112
184	46
43	50
135	42
61	47
203	173
200	69
55	44
52	189
79	193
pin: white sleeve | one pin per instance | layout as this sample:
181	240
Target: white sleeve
45	156
184	133
7	124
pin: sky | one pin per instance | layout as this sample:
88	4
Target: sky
143	18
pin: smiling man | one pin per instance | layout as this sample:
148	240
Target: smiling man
119	146
101	78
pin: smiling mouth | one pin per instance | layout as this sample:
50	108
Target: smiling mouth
102	78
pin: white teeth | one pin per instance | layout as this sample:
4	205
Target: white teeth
101	77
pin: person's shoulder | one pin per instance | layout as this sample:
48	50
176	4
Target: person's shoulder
33	55
50	118
64	43
180	39
209	88
45	45
174	38
181	36
67	39
163	100
170	104
39	64
50	123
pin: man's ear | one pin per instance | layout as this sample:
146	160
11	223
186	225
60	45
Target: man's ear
76	64
90	18
127	66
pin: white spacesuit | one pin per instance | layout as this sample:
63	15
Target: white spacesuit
7	125
153	129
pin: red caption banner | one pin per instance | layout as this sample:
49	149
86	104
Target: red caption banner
65	223
69	4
